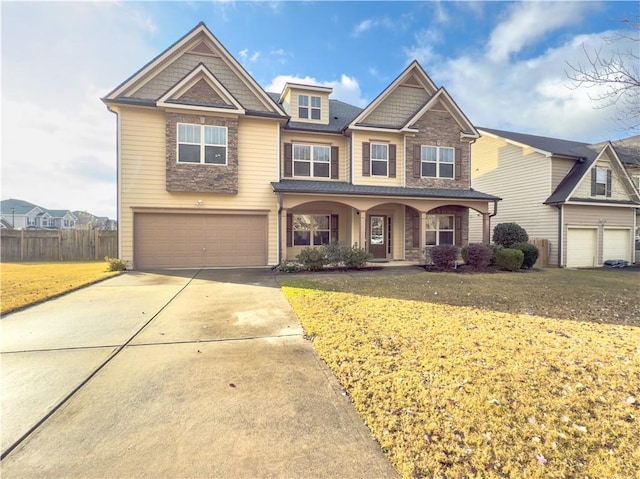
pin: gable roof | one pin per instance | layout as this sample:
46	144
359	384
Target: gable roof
585	155
20	207
414	76
546	145
196	41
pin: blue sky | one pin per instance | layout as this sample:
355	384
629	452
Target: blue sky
503	62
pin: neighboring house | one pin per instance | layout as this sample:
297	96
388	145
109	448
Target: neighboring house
21	214
88	221
214	171
577	196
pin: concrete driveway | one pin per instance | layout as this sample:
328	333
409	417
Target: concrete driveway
174	374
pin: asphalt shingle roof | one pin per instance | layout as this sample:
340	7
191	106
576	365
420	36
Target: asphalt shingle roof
343	188
544	143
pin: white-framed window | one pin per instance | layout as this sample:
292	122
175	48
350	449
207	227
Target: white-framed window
440	229
312	160
636	181
311	230
309	106
31	221
203	144
437	162
601	181
379	159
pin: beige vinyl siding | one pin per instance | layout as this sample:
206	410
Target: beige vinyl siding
143	167
559	169
600	217
372	137
522	178
618	188
319	139
324	105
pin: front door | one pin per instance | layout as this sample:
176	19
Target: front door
377	236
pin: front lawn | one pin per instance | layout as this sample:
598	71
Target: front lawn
462	376
23	284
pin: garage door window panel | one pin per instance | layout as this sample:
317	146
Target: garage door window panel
202	144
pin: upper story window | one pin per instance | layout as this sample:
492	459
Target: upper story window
440	229
379	159
600	182
437	162
309	107
311	160
202	144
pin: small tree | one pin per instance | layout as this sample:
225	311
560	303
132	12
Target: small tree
508	234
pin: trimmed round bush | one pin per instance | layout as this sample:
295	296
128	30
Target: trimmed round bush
478	255
508	234
444	256
494	249
312	259
509	259
531	253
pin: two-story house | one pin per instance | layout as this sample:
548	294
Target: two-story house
21	214
577	196
214	171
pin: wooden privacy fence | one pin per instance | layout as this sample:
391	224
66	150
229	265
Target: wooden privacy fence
544	247
58	245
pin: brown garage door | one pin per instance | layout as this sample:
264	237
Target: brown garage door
167	240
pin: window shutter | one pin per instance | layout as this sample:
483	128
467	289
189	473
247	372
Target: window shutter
593	182
458	240
458	164
289	230
416	230
288	160
608	183
334	162
366	159
392	161
334	227
417	161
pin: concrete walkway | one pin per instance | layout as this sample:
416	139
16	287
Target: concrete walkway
175	374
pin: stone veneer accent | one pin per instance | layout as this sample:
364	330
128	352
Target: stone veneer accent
412	253
202	178
438	128
202	93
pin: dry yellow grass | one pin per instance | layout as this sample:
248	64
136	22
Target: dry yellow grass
24	284
461	392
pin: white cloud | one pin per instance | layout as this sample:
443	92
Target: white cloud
531	96
347	89
528	22
371	23
58	139
243	54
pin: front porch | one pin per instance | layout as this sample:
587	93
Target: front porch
390	227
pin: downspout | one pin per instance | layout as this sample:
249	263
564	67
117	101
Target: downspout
280	201
560	221
118	171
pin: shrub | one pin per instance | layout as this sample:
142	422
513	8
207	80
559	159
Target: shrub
355	257
494	250
478	255
334	253
288	267
444	256
115	264
508	234
530	252
509	259
312	259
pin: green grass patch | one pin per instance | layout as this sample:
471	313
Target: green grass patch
459	390
24	284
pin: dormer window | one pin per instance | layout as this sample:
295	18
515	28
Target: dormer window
600	182
309	107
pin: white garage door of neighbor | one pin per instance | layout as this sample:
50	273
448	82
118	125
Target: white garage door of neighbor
168	240
581	247
616	244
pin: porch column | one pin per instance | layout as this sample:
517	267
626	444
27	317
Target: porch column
486	228
363	230
283	234
422	254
